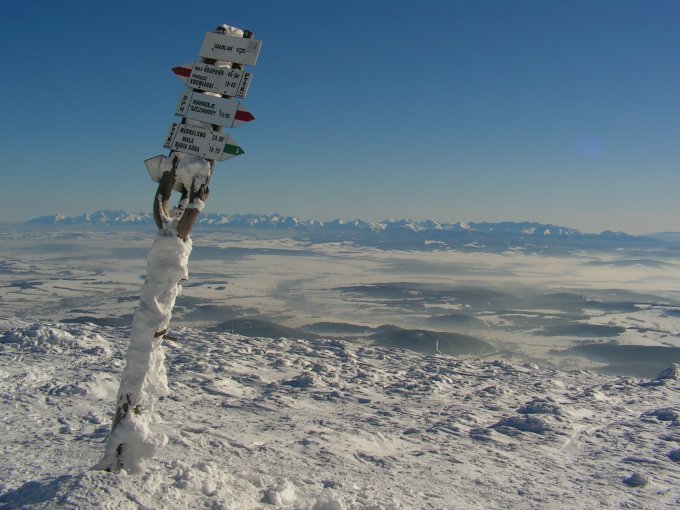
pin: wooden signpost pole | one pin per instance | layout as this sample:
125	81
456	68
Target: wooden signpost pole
195	148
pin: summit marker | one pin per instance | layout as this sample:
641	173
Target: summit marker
196	144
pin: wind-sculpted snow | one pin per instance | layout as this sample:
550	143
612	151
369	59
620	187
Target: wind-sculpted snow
328	424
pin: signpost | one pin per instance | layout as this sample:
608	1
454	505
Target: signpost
210	109
210	78
196	144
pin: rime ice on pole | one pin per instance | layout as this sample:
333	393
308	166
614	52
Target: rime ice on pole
196	144
144	378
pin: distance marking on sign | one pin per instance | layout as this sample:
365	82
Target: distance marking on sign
230	48
210	78
202	142
211	109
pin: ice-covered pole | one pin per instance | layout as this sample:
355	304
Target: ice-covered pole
196	144
144	378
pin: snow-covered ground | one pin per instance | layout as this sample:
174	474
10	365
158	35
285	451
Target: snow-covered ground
331	423
327	424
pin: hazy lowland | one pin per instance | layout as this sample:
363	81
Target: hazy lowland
518	292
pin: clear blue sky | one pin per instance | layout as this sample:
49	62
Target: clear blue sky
565	112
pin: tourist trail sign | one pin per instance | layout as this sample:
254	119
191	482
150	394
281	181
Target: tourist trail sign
211	78
238	50
201	141
211	109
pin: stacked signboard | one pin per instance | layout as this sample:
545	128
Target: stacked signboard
208	100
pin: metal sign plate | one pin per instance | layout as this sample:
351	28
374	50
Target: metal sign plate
230	48
211	109
210	78
202	142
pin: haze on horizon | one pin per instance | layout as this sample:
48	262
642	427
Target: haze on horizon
555	112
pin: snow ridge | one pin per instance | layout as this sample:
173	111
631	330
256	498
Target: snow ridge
393	233
277	221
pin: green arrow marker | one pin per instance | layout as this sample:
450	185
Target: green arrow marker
234	150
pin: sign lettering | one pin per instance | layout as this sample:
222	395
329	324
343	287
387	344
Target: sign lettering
230	48
211	78
202	142
211	109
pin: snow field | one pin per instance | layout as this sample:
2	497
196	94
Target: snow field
327	424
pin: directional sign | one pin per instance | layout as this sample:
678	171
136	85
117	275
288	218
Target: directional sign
211	109
202	142
230	48
210	78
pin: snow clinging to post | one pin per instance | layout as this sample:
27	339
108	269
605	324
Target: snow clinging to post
196	144
144	378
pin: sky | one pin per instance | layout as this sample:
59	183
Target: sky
562	112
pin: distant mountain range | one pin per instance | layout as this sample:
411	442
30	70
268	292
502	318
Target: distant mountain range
395	234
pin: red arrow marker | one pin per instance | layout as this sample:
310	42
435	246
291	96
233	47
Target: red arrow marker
210	78
182	71
244	116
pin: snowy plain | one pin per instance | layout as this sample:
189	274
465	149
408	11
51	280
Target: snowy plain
342	420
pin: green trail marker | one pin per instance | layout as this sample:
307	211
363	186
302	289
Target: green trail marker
233	150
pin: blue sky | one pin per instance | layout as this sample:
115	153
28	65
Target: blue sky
565	112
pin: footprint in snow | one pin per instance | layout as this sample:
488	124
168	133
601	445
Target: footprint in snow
541	406
663	414
513	424
636	480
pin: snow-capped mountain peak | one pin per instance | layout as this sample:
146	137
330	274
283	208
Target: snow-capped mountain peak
396	233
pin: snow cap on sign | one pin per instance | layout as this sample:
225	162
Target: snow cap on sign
158	166
188	168
229	30
191	167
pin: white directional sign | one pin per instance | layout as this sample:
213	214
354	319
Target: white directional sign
202	142
211	109
230	48
210	78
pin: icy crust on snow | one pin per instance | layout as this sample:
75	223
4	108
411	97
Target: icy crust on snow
232	31
46	339
326	424
144	378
